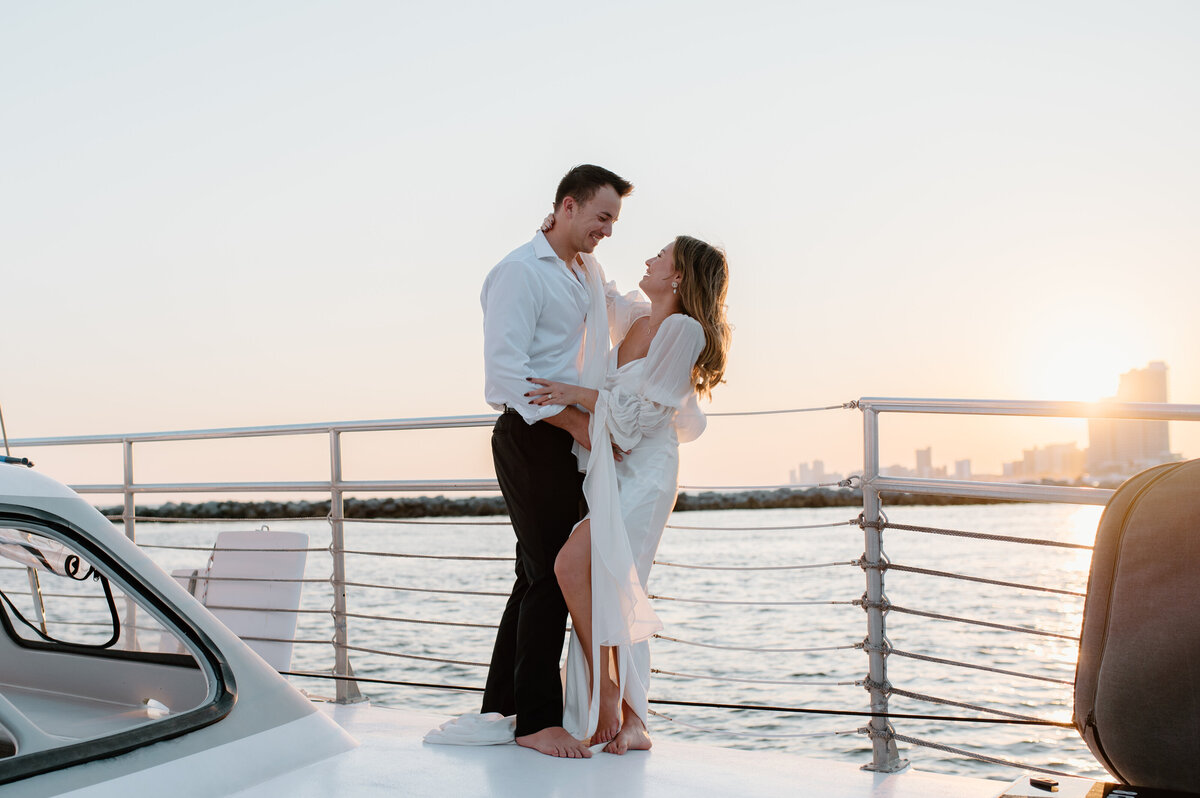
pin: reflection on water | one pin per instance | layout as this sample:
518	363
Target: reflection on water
1082	524
822	679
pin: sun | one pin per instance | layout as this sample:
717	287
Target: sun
1079	374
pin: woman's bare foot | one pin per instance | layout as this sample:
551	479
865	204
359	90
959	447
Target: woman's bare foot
555	741
609	724
632	737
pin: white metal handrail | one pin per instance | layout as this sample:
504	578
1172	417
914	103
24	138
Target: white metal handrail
311	486
1144	411
377	425
1064	494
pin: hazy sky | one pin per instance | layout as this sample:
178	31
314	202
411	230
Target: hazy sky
220	214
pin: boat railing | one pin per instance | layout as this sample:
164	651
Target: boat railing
873	521
875	563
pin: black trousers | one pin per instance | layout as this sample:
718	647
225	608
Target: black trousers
543	489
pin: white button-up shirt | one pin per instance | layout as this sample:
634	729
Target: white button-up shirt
534	310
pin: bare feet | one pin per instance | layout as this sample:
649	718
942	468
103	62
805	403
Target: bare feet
632	737
555	741
609	724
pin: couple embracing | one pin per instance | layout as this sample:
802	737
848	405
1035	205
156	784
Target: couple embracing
590	432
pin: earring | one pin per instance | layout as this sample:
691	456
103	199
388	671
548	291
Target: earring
674	287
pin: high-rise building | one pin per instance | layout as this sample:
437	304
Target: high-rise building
925	462
1121	447
1055	461
813	474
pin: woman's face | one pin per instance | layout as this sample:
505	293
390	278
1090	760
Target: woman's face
660	271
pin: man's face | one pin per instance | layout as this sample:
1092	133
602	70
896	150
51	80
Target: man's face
593	220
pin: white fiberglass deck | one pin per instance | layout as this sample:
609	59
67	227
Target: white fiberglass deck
392	760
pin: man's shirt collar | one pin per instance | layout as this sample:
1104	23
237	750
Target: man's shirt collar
544	252
542	249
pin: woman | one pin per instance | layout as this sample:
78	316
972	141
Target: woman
666	352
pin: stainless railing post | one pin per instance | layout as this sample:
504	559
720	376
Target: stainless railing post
347	690
129	513
885	758
128	516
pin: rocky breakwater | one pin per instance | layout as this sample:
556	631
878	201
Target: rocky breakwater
440	506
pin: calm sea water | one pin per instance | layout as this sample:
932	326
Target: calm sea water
745	539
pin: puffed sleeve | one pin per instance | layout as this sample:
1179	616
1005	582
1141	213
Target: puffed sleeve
673	353
666	384
623	310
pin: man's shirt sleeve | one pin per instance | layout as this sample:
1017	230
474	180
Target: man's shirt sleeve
512	299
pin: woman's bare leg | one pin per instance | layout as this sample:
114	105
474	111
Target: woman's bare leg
573	567
633	735
610	698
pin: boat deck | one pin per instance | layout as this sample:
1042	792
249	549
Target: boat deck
392	759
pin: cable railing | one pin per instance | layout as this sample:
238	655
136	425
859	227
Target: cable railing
885	756
873	562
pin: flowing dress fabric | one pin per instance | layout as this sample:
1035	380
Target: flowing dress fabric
645	407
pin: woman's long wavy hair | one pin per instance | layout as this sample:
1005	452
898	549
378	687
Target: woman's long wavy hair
705	280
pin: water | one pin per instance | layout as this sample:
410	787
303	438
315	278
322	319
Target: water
816	679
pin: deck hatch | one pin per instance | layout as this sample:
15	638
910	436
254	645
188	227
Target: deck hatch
84	683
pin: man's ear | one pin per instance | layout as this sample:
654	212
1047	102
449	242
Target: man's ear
569	205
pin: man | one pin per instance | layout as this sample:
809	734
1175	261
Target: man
534	306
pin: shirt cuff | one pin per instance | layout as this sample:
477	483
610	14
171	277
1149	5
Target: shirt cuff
532	414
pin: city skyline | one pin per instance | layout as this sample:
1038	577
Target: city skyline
1116	449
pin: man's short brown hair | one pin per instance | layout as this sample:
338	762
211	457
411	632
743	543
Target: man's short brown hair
585	180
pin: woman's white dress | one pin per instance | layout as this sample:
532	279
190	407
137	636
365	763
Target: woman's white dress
646	407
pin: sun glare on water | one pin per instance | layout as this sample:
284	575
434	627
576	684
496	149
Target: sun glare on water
1083	523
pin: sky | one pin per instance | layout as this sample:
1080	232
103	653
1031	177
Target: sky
243	213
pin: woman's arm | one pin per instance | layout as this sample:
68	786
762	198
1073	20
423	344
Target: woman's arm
561	393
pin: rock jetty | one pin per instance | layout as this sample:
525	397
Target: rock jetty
440	506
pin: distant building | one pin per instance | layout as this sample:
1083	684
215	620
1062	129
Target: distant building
1118	448
1055	461
962	469
813	474
925	462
